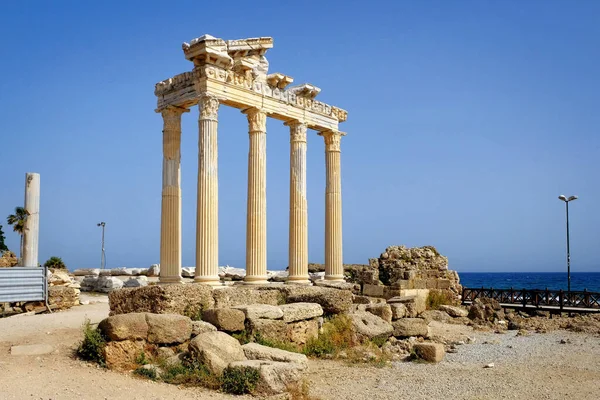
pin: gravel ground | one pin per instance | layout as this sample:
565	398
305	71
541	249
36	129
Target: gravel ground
537	366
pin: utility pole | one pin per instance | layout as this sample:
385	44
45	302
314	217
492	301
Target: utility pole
103	259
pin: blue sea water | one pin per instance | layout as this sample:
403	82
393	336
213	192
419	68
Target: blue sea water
531	280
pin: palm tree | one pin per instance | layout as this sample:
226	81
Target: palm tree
17	220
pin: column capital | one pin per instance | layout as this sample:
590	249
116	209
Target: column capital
257	120
208	105
332	139
297	131
172	117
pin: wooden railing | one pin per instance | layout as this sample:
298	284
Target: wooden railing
543	299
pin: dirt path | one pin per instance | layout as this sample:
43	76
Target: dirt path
536	366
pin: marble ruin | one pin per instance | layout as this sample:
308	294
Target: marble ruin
235	73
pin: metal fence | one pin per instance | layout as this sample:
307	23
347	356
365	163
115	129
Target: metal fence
23	284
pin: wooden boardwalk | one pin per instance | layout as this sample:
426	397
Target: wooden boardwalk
534	299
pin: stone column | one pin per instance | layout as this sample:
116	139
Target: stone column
31	233
334	269
298	245
170	216
256	224
207	219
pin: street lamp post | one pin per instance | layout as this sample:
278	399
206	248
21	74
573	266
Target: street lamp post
103	259
567	200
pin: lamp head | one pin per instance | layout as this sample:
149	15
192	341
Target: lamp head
572	198
563	197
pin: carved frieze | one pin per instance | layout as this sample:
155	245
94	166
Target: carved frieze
208	106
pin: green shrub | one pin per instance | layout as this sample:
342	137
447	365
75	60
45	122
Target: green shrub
141	359
338	334
243	337
193	312
379	341
149	373
239	380
437	298
55	262
190	372
92	346
258	338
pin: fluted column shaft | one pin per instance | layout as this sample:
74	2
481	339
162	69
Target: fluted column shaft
256	224
207	218
170	217
298	239
334	268
31	233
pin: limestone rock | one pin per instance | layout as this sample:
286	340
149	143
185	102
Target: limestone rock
122	355
277	276
135	282
216	350
275	377
453	311
408	327
256	311
122	271
87	271
8	259
336	284
125	327
301	332
432	352
63	297
239	296
300	311
59	277
333	301
383	311
154	270
398	311
104	272
164	353
168	328
435	315
225	319
199	327
230	273
370	325
188	272
269	329
162	299
485	309
255	351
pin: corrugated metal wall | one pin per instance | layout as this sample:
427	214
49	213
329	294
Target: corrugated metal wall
22	284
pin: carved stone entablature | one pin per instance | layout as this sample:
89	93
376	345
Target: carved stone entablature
305	90
279	81
208	50
175	83
332	140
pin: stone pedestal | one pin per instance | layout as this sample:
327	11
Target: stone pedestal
256	228
207	219
170	221
298	239
334	269
31	233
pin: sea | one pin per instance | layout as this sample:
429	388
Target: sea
531	280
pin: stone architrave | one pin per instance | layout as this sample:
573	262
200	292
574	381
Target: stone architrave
298	239
334	269
256	228
31	233
207	218
170	221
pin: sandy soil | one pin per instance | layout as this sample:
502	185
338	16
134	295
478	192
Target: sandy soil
535	366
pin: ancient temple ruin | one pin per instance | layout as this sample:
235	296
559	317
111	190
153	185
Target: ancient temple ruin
235	73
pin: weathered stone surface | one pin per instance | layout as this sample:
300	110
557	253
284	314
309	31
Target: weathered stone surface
240	296
277	276
225	319
453	311
216	350
86	272
103	284
183	299
59	277
300	311
154	270
122	355
373	290
188	272
336	285
485	309
230	273
435	315
333	301
63	297
398	311
122	271
168	328
370	325
136	282
301	331
270	329
163	353
255	351
407	327
199	327
104	272
275	377
383	311
432	352
8	259
125	327
265	311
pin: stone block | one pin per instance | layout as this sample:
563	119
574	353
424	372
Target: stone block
122	355
225	319
168	328
216	350
270	329
264	311
255	351
419	284
125	327
62	297
275	377
444	284
370	326
383	311
408	327
453	311
300	332
431	352
199	327
162	299
241	296
373	290
86	272
435	315
398	311
333	301
431	283
410	275
300	311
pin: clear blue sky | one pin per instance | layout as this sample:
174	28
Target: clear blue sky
466	120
